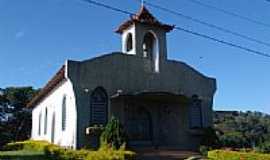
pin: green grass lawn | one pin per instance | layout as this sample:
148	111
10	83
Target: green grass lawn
22	155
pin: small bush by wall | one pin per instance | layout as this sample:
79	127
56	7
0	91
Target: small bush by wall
113	134
107	153
233	155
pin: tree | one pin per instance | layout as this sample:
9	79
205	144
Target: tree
13	100
18	97
242	129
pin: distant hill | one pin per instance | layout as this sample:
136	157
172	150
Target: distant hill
242	129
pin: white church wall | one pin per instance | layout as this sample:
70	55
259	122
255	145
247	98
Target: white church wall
131	31
53	102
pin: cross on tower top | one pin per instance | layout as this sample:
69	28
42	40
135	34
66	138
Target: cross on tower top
142	2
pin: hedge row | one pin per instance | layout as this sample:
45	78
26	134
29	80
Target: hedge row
58	153
26	145
233	155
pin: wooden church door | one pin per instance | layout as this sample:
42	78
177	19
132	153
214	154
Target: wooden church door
139	125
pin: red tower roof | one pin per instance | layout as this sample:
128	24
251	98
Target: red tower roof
144	17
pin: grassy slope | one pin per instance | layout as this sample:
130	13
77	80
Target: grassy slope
22	155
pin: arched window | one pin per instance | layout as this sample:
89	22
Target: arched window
64	112
99	102
195	113
53	128
45	120
129	42
39	124
150	49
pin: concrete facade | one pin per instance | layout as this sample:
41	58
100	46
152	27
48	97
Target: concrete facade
133	75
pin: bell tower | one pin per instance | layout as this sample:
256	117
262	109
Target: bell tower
144	36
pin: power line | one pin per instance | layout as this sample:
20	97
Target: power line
186	30
231	13
207	24
223	42
109	7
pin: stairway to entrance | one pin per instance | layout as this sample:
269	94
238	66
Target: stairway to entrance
163	154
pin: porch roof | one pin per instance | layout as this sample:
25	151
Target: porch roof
152	96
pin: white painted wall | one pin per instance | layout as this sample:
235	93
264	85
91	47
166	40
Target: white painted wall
131	30
53	102
138	32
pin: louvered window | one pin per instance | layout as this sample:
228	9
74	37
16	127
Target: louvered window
195	113
99	104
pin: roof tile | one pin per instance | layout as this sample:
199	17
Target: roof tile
144	17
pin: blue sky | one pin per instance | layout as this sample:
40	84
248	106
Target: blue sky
36	37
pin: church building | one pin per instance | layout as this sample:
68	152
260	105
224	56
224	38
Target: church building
160	102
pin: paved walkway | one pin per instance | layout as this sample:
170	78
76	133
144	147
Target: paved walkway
163	154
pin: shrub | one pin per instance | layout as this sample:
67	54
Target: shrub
209	141
113	134
203	150
26	145
13	146
58	153
232	155
108	153
233	139
104	153
210	138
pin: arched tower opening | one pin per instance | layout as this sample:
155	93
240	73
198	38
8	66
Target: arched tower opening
151	49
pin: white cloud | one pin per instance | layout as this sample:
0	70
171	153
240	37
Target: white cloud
19	34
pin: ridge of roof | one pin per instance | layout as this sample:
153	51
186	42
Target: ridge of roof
145	17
